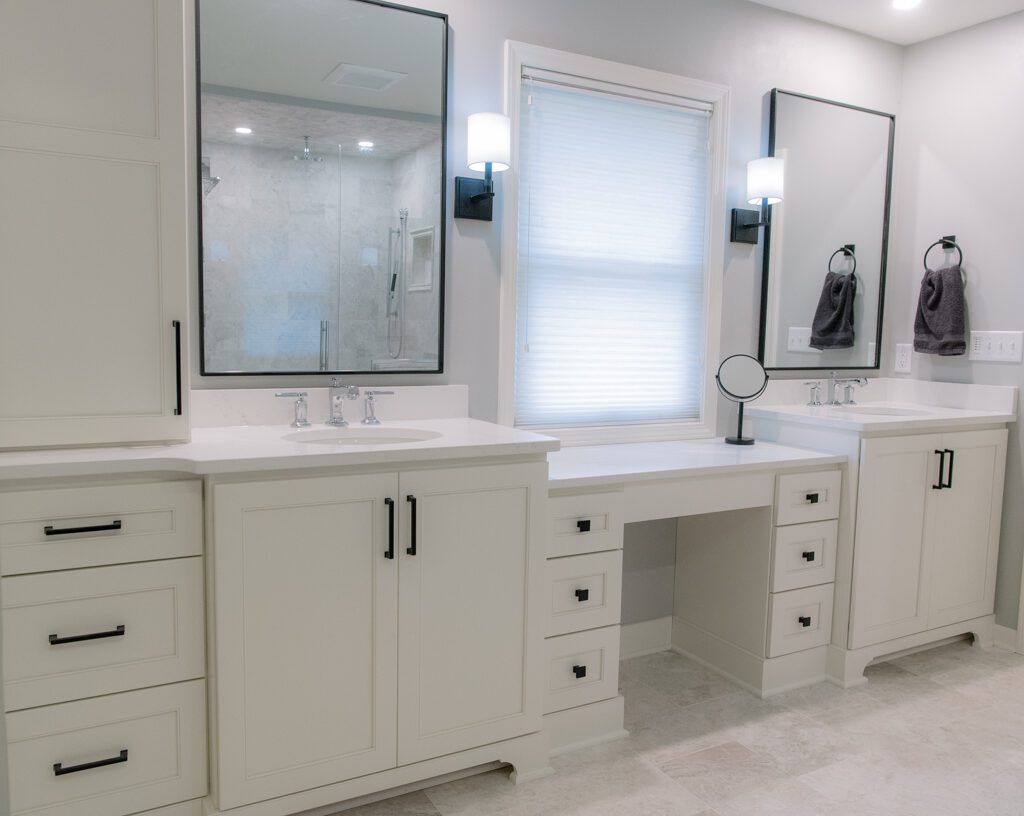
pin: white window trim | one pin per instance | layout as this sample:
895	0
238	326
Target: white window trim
519	55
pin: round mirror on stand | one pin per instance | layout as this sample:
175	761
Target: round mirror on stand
742	379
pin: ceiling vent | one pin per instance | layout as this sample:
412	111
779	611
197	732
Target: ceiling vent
363	77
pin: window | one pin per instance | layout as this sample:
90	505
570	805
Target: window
613	211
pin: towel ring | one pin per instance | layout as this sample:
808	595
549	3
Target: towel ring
946	243
848	254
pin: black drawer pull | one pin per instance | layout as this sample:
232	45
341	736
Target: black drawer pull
812	498
942	468
60	770
176	325
582	595
583	525
808	556
805	621
390	551
56	640
96	528
411	549
579	671
949	478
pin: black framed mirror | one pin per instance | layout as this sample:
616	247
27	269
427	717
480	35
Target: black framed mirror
322	143
826	244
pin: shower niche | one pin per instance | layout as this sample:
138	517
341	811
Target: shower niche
322	137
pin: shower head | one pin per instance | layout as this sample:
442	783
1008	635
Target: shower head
305	155
209	180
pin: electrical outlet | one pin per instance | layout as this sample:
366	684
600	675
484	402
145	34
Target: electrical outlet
800	340
997	346
904	358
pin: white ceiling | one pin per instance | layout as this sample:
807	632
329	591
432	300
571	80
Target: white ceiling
879	19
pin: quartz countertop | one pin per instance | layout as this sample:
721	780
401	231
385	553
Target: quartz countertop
924	417
264	448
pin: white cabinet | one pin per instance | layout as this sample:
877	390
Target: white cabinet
364	622
93	221
927	535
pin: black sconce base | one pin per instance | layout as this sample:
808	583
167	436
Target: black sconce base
473	199
745	226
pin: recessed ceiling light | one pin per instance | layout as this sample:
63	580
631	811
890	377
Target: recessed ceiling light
905	5
365	143
245	131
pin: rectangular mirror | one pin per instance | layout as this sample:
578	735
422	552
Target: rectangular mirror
832	224
322	142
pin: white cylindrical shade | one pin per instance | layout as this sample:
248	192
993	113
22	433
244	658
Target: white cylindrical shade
765	180
489	140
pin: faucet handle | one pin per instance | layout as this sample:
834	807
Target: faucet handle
301	407
815	399
370	417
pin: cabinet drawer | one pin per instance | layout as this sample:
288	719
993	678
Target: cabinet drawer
83	633
583	592
799	619
44	530
585	524
803	497
804	555
109	756
581	668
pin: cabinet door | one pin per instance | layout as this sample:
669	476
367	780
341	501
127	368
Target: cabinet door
471	601
890	561
305	623
963	527
94	208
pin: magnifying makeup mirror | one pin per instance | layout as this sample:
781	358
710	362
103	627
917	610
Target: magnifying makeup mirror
741	378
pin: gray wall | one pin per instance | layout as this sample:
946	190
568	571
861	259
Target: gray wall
960	171
648	570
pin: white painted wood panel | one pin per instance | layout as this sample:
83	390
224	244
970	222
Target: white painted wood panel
585	523
804	555
472	607
806	497
583	592
581	668
158	605
799	619
305	618
162	729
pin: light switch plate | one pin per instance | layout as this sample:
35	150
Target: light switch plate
904	358
997	346
800	340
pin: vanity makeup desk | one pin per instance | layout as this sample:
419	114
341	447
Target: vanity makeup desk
755	566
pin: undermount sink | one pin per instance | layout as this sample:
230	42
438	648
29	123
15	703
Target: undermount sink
362	435
882	410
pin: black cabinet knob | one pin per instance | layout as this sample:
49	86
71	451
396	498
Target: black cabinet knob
812	498
582	595
805	621
808	556
579	671
583	525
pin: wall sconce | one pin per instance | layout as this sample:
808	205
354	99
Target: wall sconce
765	183
489	148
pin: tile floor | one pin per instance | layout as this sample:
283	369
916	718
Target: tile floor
940	732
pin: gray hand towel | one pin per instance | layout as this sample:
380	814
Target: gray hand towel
939	327
833	319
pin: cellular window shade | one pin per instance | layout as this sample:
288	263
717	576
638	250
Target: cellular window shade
610	317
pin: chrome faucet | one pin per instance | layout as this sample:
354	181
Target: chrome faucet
301	407
338	393
815	398
370	407
848	386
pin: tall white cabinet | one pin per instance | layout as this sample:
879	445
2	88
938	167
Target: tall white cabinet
94	200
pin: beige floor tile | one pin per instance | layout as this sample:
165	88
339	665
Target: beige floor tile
411	804
722	773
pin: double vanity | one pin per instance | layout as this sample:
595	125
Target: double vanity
337	612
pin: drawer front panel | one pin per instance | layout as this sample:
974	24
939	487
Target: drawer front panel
44	530
583	592
800	619
585	524
109	756
804	497
581	668
83	633
804	555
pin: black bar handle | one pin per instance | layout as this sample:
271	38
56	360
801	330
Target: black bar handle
582	595
390	551
583	525
808	556
949	478
60	770
411	549
942	468
804	621
812	498
56	640
95	528
176	325
579	671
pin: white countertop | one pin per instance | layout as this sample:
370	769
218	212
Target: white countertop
260	448
931	417
587	466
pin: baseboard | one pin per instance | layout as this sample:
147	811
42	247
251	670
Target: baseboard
645	637
1004	638
585	725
